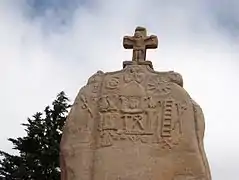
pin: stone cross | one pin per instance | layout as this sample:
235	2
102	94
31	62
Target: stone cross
140	42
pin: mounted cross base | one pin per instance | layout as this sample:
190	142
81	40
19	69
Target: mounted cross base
147	63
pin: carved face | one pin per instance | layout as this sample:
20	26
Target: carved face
133	103
138	34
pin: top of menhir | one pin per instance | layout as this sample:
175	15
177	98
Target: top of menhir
140	42
134	124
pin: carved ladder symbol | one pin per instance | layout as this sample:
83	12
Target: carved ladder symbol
167	121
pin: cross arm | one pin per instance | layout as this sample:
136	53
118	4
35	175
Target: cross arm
151	42
128	42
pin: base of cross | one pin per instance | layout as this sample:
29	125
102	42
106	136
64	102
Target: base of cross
147	63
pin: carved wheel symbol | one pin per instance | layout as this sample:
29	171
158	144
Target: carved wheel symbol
113	83
158	85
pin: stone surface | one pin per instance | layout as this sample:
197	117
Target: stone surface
135	123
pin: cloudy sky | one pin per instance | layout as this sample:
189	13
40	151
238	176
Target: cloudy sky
47	46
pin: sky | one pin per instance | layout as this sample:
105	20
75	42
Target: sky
52	45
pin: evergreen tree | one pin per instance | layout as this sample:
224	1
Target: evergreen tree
38	157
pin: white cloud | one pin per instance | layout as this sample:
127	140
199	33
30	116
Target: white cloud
36	66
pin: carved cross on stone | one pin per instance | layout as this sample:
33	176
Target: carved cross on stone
140	42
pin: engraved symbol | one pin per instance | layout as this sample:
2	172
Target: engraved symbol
110	100
130	104
103	104
158	85
106	139
133	103
108	121
138	121
124	102
95	87
181	107
150	102
166	143
106	103
94	99
153	124
125	118
108	128
133	74
85	105
167	120
113	83
134	138
95	80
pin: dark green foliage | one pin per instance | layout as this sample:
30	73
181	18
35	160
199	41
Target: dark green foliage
38	157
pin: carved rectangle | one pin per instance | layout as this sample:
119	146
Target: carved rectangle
167	123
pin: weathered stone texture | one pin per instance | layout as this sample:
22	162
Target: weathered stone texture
134	124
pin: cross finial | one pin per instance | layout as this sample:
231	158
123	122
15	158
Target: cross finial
140	42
